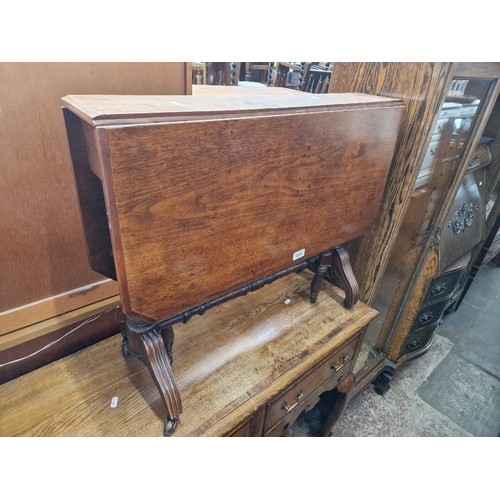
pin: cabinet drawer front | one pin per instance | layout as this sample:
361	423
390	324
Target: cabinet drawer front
427	164
450	110
468	111
442	287
336	367
429	315
418	340
280	428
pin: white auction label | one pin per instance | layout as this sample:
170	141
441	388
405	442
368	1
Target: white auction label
298	254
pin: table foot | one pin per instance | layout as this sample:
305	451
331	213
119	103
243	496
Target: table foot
170	425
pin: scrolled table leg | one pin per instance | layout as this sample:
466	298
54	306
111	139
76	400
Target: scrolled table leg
341	266
147	339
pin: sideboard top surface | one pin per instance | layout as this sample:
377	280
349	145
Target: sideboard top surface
199	208
207	100
227	363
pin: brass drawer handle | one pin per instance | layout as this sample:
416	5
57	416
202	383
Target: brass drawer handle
336	368
288	408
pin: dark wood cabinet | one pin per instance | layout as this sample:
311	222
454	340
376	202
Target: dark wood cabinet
419	239
487	161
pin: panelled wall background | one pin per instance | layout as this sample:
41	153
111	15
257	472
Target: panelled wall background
46	281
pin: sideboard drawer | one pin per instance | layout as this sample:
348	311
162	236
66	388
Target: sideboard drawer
464	226
281	427
336	367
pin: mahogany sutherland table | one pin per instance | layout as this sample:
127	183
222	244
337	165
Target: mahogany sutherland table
189	201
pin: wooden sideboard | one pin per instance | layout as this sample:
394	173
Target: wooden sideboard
190	201
248	367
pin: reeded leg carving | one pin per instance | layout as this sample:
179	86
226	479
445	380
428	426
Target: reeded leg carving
147	343
341	266
323	263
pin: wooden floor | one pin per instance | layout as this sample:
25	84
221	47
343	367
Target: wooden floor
217	371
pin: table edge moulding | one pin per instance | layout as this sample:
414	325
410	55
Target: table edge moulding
191	201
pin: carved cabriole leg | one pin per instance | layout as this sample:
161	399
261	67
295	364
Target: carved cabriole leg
338	259
322	266
341	266
145	341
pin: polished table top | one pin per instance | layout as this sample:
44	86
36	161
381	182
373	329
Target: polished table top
206	193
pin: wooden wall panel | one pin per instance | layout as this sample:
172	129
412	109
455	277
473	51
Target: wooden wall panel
41	238
26	350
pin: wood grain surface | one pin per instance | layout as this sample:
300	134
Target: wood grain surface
202	207
411	264
227	364
421	87
210	101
